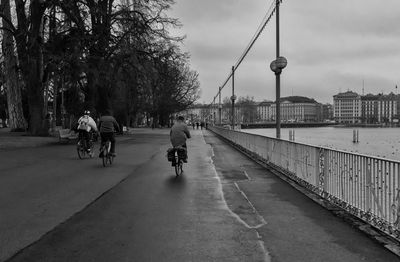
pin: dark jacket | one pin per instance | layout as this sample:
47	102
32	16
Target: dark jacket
108	124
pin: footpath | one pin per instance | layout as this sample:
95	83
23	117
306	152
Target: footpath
14	140
225	207
9	140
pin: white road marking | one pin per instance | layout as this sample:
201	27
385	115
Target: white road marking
267	257
261	218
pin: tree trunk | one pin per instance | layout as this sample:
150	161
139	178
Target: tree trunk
13	89
55	91
30	54
35	93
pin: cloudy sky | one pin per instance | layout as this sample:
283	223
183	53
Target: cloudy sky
331	46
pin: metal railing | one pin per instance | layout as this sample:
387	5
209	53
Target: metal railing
366	186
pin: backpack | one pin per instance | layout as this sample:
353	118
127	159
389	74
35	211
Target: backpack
83	124
171	154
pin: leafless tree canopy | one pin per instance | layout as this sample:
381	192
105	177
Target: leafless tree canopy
98	55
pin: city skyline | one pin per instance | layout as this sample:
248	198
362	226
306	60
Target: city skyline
331	47
308	97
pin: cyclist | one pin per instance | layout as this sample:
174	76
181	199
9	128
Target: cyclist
86	125
179	133
108	126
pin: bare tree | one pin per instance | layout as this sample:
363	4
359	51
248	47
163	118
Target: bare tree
29	41
11	83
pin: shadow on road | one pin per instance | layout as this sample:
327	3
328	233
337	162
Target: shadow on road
176	181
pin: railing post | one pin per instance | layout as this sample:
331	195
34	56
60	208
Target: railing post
327	156
368	184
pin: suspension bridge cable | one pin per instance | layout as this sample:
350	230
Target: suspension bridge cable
260	29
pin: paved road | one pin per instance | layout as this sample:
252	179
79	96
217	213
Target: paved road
40	187
223	208
149	216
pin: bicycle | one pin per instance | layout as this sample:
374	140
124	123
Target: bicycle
179	156
82	149
106	156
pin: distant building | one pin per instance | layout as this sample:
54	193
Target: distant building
197	113
387	108
326	112
264	111
347	107
293	109
369	109
350	107
297	109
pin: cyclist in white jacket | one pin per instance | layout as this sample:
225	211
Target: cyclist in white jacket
86	125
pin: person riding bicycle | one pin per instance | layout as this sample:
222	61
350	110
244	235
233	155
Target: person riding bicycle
108	126
178	135
86	125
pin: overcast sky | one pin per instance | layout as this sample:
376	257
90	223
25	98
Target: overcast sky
331	46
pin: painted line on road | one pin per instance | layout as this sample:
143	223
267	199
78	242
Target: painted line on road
247	175
267	257
261	218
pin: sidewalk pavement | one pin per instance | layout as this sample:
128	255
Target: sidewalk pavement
9	140
291	226
13	140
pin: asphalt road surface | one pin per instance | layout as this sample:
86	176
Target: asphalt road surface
55	207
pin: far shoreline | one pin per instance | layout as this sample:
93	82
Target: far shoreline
315	124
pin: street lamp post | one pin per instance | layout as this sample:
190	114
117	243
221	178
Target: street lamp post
278	78
276	66
219	107
213	112
233	97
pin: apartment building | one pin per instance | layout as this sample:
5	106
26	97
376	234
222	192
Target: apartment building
347	107
369	109
350	107
264	111
297	109
386	108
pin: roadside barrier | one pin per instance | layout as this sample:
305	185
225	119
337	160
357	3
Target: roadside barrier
367	187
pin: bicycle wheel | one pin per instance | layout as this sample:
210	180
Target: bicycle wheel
104	155
178	167
110	156
91	153
104	159
107	157
81	150
110	159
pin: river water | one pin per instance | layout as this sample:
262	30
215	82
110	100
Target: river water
381	142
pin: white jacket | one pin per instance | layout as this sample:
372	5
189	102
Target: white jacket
86	123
